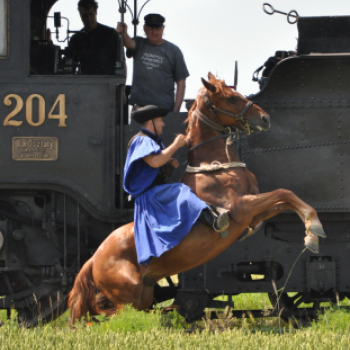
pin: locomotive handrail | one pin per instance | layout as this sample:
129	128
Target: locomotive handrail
134	14
267	8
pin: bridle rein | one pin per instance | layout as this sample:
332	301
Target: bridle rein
227	132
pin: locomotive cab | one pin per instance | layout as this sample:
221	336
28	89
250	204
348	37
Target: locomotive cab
78	115
61	162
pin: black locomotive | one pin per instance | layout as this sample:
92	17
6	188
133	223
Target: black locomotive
63	147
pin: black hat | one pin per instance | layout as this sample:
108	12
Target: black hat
154	20
149	112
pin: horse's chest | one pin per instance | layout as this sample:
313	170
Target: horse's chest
224	184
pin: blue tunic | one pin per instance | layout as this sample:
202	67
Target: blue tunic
164	214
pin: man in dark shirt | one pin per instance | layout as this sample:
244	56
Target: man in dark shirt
96	47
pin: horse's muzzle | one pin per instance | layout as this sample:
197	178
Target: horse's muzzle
266	122
261	124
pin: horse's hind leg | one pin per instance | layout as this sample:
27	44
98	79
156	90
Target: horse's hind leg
136	294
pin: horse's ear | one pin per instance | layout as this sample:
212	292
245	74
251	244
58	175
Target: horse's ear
209	86
210	76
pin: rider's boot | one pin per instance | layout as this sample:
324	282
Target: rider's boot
217	219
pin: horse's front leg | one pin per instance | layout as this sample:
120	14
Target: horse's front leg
270	213
266	205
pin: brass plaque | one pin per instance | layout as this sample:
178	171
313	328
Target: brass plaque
35	148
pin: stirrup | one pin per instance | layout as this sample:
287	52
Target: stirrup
222	221
217	218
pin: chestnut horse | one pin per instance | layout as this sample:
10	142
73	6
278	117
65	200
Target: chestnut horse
216	175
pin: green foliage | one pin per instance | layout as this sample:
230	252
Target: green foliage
334	320
132	320
131	329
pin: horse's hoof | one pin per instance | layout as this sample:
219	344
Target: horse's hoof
223	234
311	243
318	230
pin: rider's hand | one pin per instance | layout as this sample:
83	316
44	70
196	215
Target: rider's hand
120	27
180	140
174	163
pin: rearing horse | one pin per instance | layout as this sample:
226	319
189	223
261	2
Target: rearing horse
216	175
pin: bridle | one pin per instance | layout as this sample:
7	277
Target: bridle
226	131
231	134
238	116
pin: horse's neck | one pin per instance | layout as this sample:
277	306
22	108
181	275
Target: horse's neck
208	152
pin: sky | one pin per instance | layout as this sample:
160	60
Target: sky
212	35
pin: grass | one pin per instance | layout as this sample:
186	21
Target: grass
131	329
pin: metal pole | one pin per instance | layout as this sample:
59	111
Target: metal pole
135	17
64	276
78	237
122	10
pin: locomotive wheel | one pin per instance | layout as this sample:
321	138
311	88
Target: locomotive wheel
285	303
286	308
191	305
45	309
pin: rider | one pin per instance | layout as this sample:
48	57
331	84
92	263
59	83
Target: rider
164	213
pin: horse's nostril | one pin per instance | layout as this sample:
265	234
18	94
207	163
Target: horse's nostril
266	119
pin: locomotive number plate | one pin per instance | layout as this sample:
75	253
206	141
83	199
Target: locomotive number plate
35	148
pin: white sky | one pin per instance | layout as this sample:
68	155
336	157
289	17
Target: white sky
213	34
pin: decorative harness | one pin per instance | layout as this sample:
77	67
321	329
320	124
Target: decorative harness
227	132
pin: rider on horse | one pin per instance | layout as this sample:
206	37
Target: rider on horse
164	213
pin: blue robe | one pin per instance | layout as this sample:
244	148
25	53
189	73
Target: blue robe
163	214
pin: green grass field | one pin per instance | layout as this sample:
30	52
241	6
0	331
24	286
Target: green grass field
131	329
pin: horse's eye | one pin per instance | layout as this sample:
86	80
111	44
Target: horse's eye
231	99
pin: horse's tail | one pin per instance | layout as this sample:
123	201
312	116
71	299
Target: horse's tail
82	298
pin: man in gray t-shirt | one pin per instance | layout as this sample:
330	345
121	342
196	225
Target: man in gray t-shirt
158	64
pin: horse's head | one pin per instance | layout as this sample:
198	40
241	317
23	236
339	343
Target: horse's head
226	106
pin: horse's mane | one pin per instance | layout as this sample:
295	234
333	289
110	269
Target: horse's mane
221	88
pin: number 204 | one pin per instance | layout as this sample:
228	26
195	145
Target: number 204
60	103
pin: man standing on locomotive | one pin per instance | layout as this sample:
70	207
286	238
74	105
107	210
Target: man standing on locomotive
96	47
164	213
158	64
